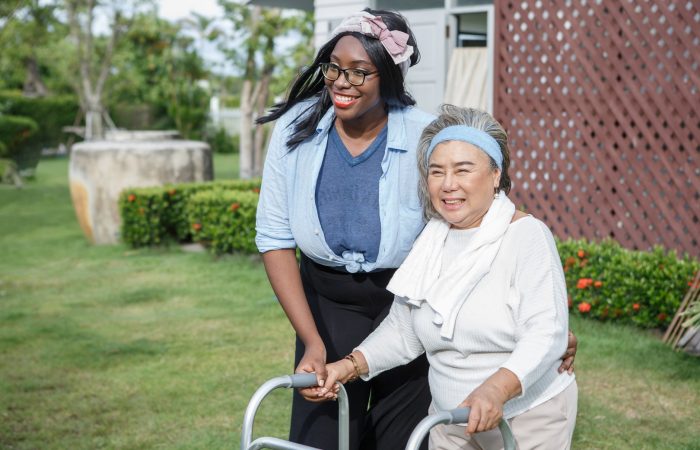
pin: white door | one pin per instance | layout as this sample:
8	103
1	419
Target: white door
426	81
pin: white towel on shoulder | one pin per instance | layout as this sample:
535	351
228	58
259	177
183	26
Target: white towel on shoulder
419	279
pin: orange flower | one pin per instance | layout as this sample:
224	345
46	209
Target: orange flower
597	284
131	197
235	206
196	226
584	307
256	190
635	306
583	283
661	317
571	302
581	254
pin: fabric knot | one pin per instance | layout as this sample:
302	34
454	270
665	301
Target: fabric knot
356	259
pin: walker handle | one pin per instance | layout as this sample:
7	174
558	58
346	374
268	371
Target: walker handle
303	380
459	415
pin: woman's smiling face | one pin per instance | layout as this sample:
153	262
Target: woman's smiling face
355	103
461	183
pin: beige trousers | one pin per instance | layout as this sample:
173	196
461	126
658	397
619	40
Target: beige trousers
548	426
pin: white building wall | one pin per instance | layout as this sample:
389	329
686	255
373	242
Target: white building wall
329	13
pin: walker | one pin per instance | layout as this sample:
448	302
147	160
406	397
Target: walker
299	380
302	380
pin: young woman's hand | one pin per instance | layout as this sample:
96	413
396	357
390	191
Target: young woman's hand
567	363
314	360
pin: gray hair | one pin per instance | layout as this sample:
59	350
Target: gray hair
454	115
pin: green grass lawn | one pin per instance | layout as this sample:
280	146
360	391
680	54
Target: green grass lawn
110	347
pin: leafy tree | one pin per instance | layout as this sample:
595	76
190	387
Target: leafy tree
252	41
94	53
157	64
26	28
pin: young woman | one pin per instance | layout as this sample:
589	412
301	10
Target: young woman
340	184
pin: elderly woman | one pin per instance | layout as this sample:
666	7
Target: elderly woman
481	293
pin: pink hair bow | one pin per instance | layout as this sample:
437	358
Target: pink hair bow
394	41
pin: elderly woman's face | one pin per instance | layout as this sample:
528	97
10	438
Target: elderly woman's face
461	183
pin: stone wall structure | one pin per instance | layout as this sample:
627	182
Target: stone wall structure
100	170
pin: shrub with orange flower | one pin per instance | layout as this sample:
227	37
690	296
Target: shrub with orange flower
581	254
635	306
583	283
584	307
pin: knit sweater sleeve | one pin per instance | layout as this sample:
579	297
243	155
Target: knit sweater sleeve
393	343
540	311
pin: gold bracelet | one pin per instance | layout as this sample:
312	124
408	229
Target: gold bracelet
354	364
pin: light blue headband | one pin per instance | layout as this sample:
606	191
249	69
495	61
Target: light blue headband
469	135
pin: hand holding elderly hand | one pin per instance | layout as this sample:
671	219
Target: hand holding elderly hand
343	371
314	360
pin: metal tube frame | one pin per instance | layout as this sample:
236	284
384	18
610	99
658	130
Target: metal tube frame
299	380
460	415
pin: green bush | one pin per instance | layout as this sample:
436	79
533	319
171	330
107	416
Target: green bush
224	221
14	133
221	142
51	114
608	282
157	215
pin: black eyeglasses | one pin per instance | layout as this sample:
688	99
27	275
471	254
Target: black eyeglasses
356	77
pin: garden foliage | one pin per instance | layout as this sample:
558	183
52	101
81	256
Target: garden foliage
50	113
604	280
224	220
159	215
14	133
611	283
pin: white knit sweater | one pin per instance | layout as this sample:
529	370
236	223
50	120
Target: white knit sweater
516	318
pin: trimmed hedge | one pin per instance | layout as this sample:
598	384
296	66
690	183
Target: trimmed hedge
157	215
14	132
604	280
224	221
611	283
50	113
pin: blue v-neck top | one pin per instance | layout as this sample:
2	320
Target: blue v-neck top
347	198
287	216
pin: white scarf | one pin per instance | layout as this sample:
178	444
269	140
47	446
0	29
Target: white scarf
419	279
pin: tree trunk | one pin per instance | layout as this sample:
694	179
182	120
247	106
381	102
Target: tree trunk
245	162
259	143
33	85
94	128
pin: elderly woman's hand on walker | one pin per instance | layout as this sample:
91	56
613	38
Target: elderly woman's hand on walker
344	371
486	401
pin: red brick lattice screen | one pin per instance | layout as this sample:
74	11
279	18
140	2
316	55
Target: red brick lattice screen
600	99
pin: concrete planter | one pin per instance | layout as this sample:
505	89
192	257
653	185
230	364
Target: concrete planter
141	135
100	170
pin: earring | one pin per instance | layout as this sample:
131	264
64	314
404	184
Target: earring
495	193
